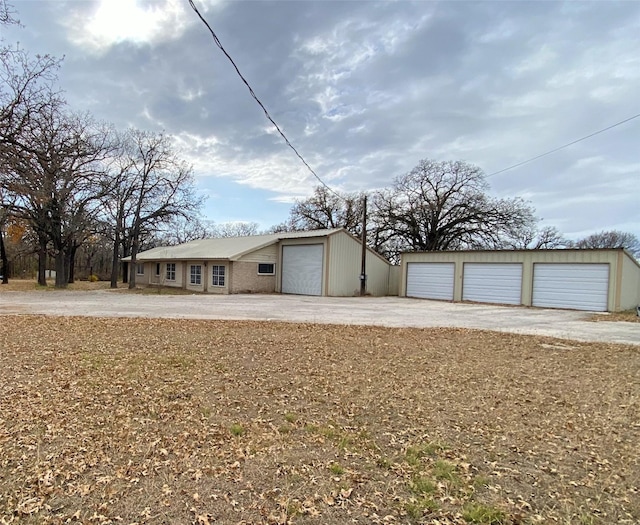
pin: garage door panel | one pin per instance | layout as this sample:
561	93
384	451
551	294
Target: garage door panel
430	280
302	269
492	283
575	286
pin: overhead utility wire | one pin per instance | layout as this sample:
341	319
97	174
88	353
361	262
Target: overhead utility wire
219	44
562	147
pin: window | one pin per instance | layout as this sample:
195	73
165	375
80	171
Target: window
266	269
140	269
217	276
171	271
157	269
196	274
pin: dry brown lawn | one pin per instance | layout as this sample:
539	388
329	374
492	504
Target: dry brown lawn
27	285
174	421
629	316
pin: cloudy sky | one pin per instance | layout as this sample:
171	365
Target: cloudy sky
364	90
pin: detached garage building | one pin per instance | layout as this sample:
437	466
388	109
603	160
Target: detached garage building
320	262
594	280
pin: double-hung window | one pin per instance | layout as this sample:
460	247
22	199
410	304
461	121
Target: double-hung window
195	274
140	269
171	271
217	276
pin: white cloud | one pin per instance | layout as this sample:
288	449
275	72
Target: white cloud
116	21
541	58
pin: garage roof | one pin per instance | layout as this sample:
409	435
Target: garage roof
230	248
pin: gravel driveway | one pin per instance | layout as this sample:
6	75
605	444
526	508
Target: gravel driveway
383	311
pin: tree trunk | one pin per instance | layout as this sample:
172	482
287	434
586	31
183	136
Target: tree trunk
4	270
126	251
71	262
132	264
62	277
42	260
114	260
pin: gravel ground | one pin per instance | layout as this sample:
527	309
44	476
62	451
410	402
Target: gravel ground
380	311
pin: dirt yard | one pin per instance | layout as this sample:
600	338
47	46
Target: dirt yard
185	421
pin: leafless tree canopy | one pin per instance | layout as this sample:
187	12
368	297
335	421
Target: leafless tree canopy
151	187
325	210
611	239
436	206
7	14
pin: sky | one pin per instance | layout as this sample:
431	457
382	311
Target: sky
364	90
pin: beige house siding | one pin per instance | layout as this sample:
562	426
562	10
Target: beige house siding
268	254
246	279
394	279
627	273
143	278
345	261
629	283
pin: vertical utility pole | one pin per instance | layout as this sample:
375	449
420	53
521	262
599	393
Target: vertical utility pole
363	271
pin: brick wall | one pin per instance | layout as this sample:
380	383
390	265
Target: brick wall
245	279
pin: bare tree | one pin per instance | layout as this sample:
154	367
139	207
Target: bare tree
325	210
235	229
443	206
7	14
531	237
55	168
179	230
154	187
611	239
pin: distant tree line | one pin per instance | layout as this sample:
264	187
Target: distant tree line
439	206
71	185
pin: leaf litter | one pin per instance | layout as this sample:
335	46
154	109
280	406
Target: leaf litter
184	421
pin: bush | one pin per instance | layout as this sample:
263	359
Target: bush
93	278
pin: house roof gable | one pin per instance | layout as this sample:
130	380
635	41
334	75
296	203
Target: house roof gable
226	248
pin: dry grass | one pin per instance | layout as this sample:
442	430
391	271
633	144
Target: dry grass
25	285
28	285
173	421
629	316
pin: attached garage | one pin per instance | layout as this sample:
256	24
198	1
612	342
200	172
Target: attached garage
430	280
593	280
573	286
492	283
317	262
302	269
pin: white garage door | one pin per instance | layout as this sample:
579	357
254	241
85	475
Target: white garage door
430	280
492	283
302	269
574	286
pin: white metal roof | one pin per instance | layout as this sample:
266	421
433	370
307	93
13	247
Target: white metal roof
230	248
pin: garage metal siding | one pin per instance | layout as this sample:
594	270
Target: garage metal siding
575	286
492	283
430	280
302	269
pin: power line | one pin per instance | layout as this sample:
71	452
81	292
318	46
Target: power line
266	113
565	146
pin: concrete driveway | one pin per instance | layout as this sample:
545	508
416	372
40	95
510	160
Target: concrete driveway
383	311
